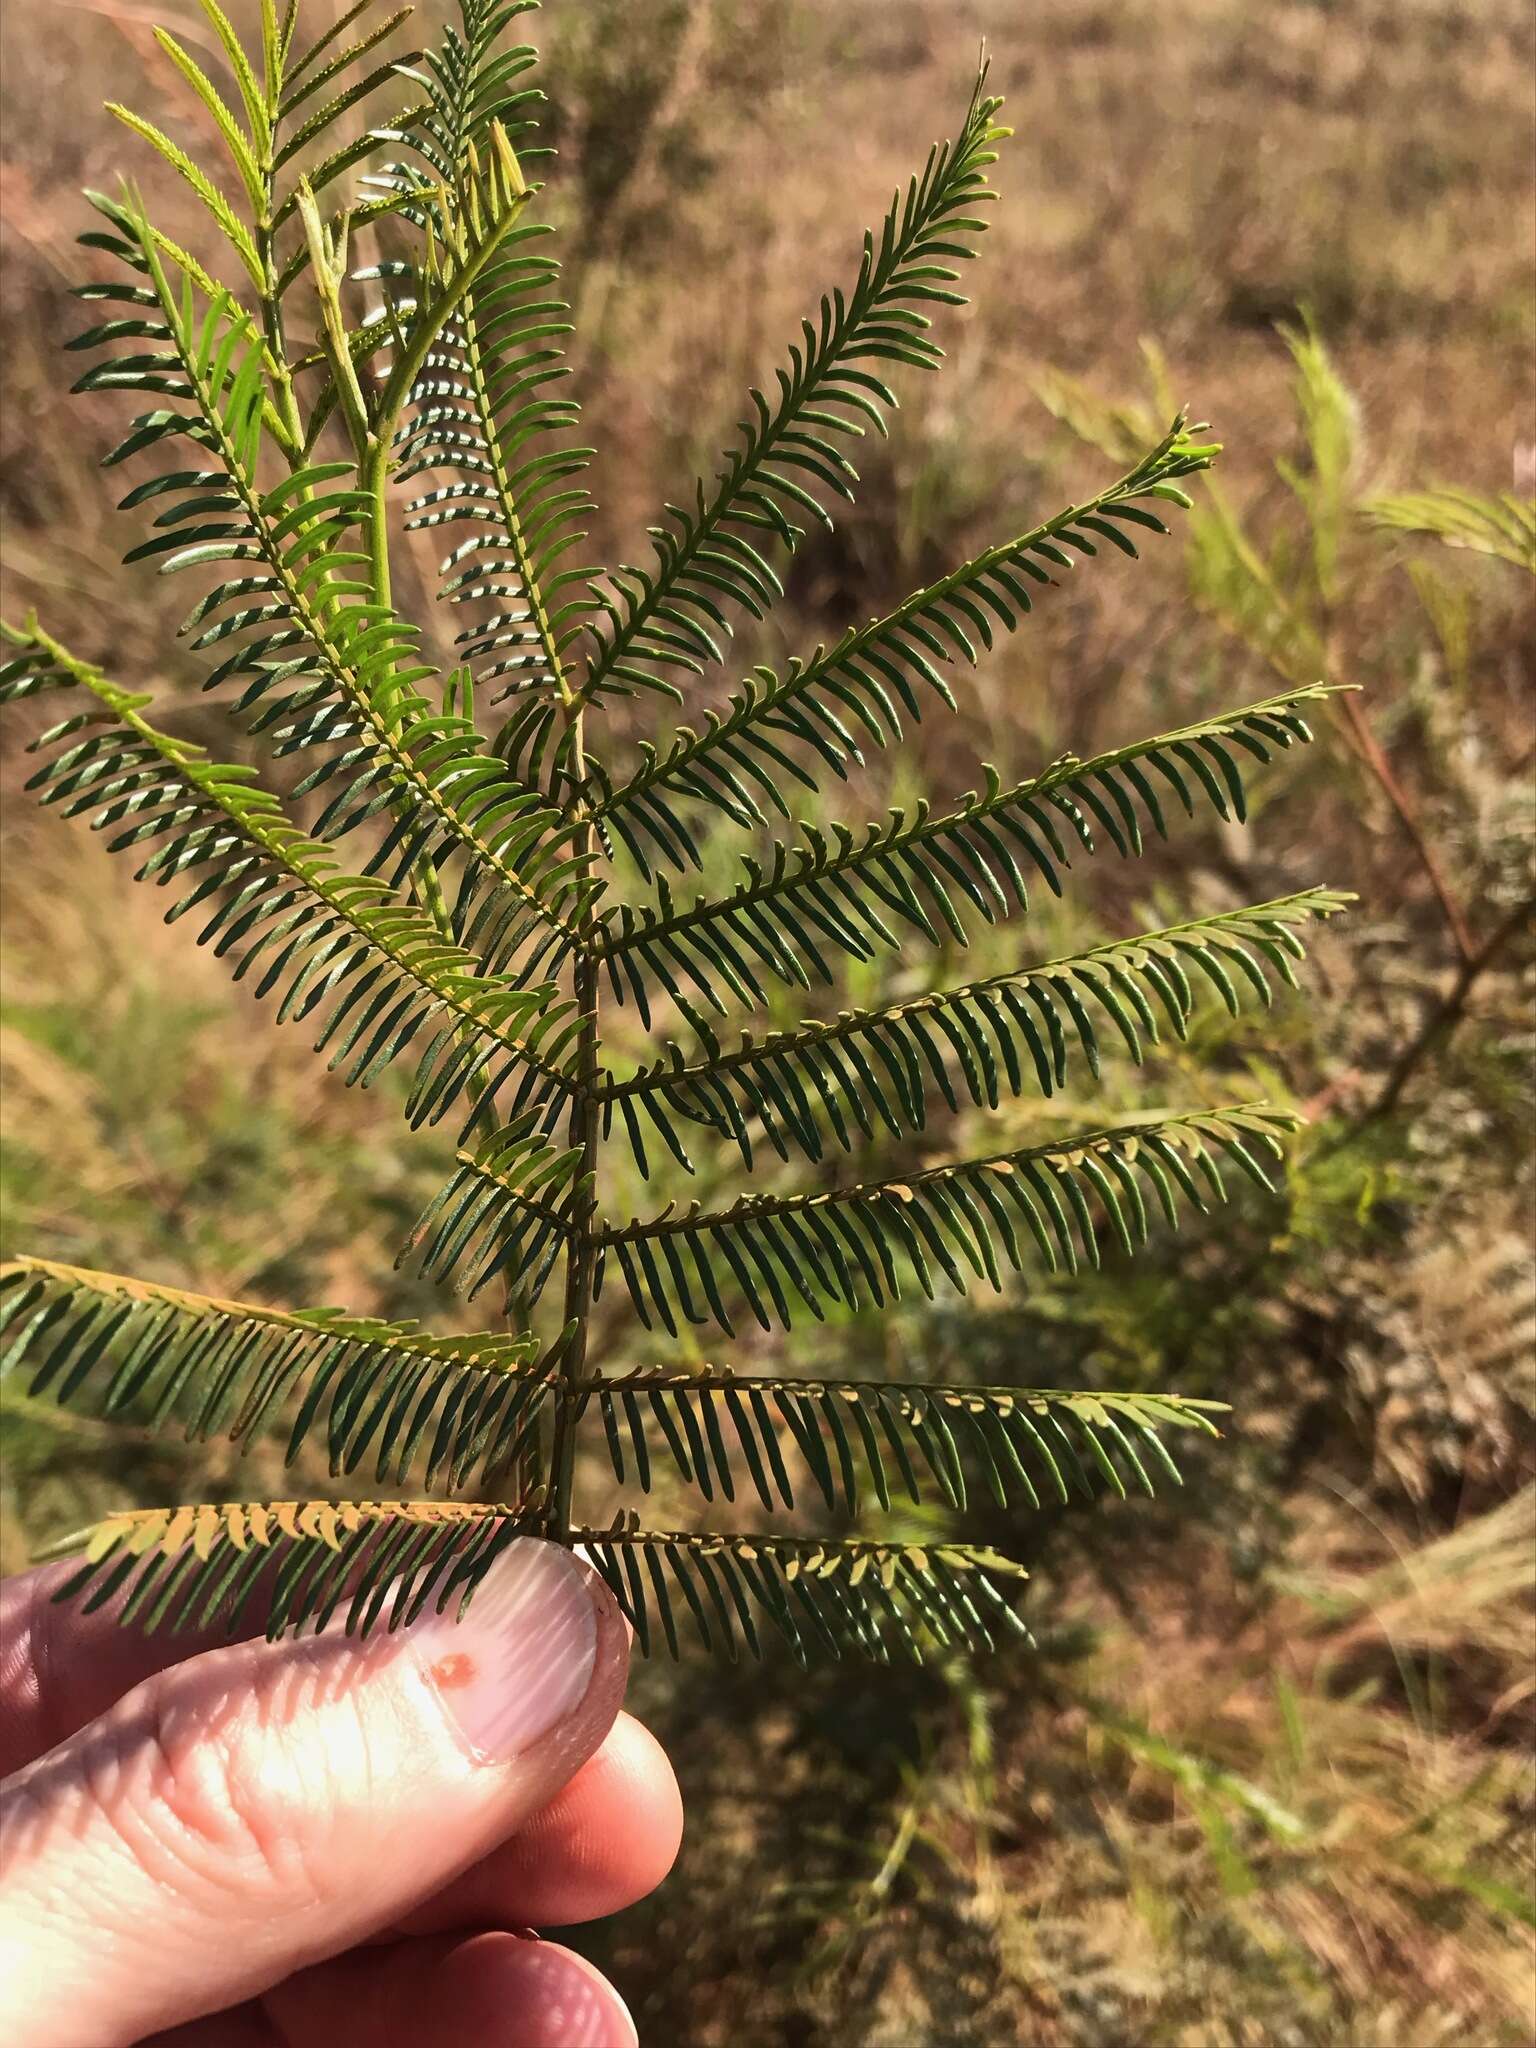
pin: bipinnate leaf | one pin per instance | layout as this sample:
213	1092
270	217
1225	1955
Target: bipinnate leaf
433	863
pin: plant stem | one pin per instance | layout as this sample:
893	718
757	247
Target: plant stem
1367	747
581	1262
287	406
583	1249
1445	1016
1371	752
375	479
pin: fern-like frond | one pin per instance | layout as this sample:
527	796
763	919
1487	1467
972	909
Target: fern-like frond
247	151
317	80
866	1069
482	409
290	1564
230	226
844	893
1504	526
710	555
378	972
825	1598
290	111
852	1244
307	74
507	1213
321	663
471	950
845	1433
471	80
479	407
853	694
386	1394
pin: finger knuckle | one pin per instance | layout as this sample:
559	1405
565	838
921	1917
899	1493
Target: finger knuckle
208	1788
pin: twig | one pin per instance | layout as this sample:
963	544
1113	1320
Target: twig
1444	1018
1366	744
1371	752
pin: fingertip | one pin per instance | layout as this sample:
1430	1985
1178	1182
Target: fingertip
514	1991
496	1990
610	1836
606	1839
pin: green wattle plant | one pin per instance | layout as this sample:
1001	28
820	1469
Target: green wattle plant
456	876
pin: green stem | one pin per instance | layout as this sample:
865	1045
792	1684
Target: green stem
287	405
584	1245
286	401
375	480
581	1264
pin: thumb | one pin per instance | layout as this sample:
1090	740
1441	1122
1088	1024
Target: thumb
260	1807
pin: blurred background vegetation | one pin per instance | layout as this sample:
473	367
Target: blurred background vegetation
1268	1778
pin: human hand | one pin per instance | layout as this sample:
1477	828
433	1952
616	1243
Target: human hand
323	1840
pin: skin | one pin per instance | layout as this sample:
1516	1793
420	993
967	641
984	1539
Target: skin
397	1915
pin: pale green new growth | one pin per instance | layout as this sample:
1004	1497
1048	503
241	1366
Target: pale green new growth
451	905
